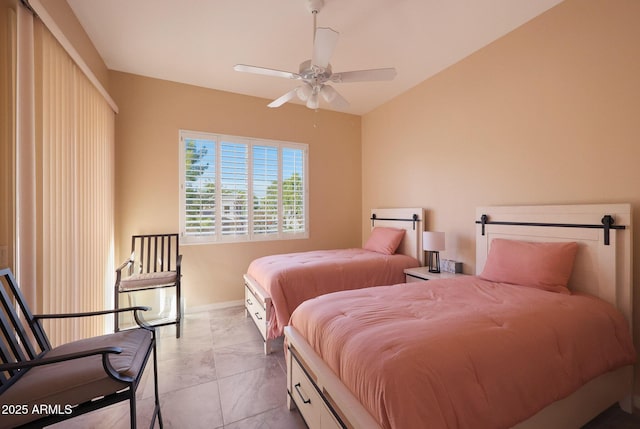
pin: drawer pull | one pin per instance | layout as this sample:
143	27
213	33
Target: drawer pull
306	401
258	316
249	301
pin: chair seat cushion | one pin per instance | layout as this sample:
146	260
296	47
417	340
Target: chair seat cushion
146	280
76	381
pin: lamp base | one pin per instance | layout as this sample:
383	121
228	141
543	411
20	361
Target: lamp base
434	261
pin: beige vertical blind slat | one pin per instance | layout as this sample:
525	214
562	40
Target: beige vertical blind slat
77	145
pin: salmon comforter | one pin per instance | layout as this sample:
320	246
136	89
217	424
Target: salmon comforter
463	352
293	278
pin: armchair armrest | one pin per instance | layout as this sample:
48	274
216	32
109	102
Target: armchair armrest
125	264
136	315
69	356
90	313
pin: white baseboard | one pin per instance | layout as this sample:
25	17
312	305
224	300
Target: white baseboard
214	306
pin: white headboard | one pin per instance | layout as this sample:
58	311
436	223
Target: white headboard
600	269
409	219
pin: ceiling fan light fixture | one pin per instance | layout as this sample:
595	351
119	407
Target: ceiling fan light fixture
303	92
313	102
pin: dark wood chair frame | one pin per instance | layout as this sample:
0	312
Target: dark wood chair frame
156	254
24	345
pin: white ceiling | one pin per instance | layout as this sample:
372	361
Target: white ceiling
198	41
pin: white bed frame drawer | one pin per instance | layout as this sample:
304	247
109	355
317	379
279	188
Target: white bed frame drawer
255	309
312	406
305	396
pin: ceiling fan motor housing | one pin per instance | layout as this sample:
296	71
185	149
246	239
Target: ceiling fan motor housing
314	74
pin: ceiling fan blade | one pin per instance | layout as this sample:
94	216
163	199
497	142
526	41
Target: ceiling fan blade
265	71
283	99
332	97
323	46
364	75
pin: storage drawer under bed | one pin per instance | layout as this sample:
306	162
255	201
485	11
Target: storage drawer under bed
312	406
256	310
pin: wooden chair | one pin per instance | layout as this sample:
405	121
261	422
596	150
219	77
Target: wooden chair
41	385
155	263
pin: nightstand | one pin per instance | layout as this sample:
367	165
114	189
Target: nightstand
420	274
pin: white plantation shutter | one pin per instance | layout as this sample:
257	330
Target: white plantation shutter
238	189
234	184
265	190
199	187
293	193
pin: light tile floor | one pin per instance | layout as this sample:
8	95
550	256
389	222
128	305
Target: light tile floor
217	376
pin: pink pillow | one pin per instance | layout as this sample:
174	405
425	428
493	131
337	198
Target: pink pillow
384	240
544	266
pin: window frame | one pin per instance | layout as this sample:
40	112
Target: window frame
218	236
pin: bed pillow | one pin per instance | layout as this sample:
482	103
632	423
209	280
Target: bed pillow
384	240
544	266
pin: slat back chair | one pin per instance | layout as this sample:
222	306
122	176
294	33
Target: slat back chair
155	262
41	385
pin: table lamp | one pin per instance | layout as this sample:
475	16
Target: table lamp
432	243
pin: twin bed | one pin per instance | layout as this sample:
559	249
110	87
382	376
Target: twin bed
275	285
540	338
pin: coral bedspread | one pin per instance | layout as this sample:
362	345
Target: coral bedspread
463	353
293	278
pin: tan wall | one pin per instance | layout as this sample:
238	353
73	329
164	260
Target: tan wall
548	114
152	112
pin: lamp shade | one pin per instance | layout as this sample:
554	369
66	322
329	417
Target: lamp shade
432	241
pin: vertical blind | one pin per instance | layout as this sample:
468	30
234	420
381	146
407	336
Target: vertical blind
75	158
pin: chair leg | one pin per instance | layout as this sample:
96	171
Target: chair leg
116	304
178	309
132	408
155	383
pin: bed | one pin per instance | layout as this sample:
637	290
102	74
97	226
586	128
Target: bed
275	285
480	351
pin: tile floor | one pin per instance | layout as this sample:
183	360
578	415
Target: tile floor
217	376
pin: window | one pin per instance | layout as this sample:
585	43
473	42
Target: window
241	189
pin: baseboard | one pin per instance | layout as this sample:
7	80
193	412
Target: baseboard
214	306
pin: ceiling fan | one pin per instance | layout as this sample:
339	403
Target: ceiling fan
316	73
